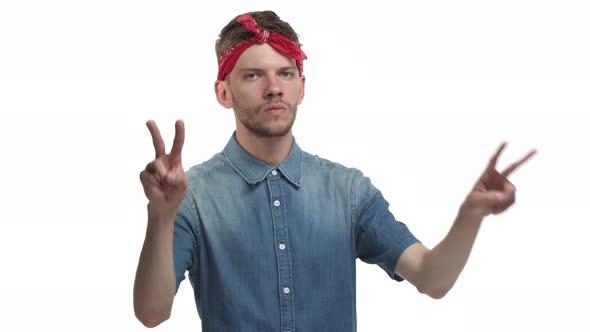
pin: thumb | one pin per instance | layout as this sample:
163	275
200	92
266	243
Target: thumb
488	198
170	178
484	200
483	203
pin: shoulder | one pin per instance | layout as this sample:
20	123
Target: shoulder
207	170
316	166
317	163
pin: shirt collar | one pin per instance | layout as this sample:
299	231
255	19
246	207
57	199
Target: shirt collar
254	170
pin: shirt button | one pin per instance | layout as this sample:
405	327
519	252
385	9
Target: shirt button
286	290
274	172
282	246
276	203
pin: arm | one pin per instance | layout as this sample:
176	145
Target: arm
164	185
435	271
155	284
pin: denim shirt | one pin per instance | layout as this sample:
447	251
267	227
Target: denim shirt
274	248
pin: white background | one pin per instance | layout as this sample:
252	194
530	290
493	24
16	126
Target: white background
416	94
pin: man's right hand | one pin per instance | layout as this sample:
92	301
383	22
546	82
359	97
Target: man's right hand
163	179
164	184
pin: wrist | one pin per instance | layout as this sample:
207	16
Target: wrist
160	216
470	214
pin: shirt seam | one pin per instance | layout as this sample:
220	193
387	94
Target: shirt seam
194	215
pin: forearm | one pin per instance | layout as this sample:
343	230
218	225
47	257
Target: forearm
443	264
435	271
155	282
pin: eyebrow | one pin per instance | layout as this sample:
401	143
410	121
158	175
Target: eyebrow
255	69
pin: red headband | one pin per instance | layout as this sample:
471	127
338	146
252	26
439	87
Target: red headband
282	44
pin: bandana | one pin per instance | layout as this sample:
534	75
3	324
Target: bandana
282	44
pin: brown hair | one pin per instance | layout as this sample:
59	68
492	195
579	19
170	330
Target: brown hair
235	32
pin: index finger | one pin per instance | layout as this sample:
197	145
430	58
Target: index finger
178	139
494	159
156	138
517	164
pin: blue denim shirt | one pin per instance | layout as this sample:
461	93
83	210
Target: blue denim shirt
274	248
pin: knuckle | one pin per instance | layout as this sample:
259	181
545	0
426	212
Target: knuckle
149	165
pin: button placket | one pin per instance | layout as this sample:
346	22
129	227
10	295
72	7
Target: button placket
281	238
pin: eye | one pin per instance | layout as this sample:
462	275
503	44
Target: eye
286	74
251	76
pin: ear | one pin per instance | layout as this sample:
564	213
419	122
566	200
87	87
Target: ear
224	97
301	90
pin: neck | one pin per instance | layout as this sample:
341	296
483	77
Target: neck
269	150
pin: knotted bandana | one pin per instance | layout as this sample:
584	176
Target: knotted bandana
282	44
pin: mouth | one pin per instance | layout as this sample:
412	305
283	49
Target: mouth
275	109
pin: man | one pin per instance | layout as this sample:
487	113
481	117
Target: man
269	233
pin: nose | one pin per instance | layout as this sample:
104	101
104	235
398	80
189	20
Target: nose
273	89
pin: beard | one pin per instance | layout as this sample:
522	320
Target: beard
265	125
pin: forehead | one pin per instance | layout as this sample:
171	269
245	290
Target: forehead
263	57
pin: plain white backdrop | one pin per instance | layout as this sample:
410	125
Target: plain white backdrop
417	95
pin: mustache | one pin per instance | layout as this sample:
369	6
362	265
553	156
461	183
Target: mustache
275	103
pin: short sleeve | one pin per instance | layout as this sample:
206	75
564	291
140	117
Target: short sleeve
380	238
185	238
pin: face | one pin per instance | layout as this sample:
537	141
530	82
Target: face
264	89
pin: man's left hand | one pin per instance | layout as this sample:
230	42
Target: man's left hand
493	193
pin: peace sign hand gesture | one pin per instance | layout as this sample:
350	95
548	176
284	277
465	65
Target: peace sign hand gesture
493	193
163	179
